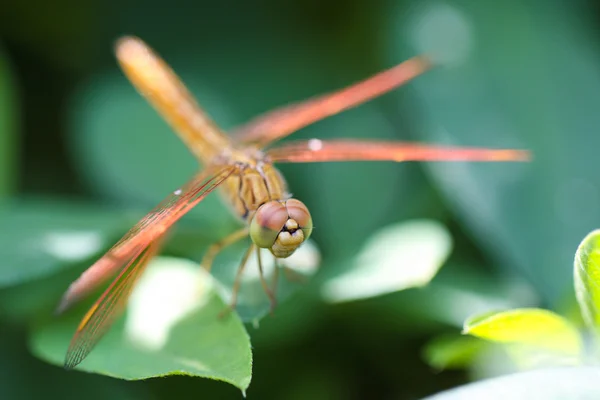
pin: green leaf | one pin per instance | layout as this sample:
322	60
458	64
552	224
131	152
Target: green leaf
397	257
533	86
40	237
172	326
8	127
587	278
548	384
452	351
532	327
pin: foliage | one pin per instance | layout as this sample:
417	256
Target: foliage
540	338
173	325
82	157
587	279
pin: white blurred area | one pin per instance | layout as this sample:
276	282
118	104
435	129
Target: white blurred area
397	257
441	31
168	291
72	246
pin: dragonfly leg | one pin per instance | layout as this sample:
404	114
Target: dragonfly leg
270	293
238	281
275	275
217	247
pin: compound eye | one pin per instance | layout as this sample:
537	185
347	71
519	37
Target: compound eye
299	212
268	221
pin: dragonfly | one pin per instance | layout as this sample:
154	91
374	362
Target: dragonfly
241	166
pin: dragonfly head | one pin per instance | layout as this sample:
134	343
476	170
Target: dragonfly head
281	226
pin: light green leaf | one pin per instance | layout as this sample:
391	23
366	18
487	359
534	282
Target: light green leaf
172	326
397	257
587	278
452	351
531	327
545	384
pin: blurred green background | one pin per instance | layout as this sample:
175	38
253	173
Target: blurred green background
81	152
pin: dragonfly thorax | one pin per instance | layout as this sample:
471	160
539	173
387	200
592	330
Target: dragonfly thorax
281	226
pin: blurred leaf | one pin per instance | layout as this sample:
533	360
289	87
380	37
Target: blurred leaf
23	302
18	368
547	384
39	237
461	290
46	249
44	237
456	293
452	351
58	33
587	278
532	327
116	138
317	382
534	86
8	127
172	327
292	322
494	360
395	258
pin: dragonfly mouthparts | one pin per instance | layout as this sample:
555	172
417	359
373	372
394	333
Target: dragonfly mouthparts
290	226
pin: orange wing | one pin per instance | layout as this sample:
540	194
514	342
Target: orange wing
108	307
149	229
281	122
156	81
316	150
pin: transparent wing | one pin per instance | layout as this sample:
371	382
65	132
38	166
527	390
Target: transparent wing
283	121
156	81
146	231
357	150
108	307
